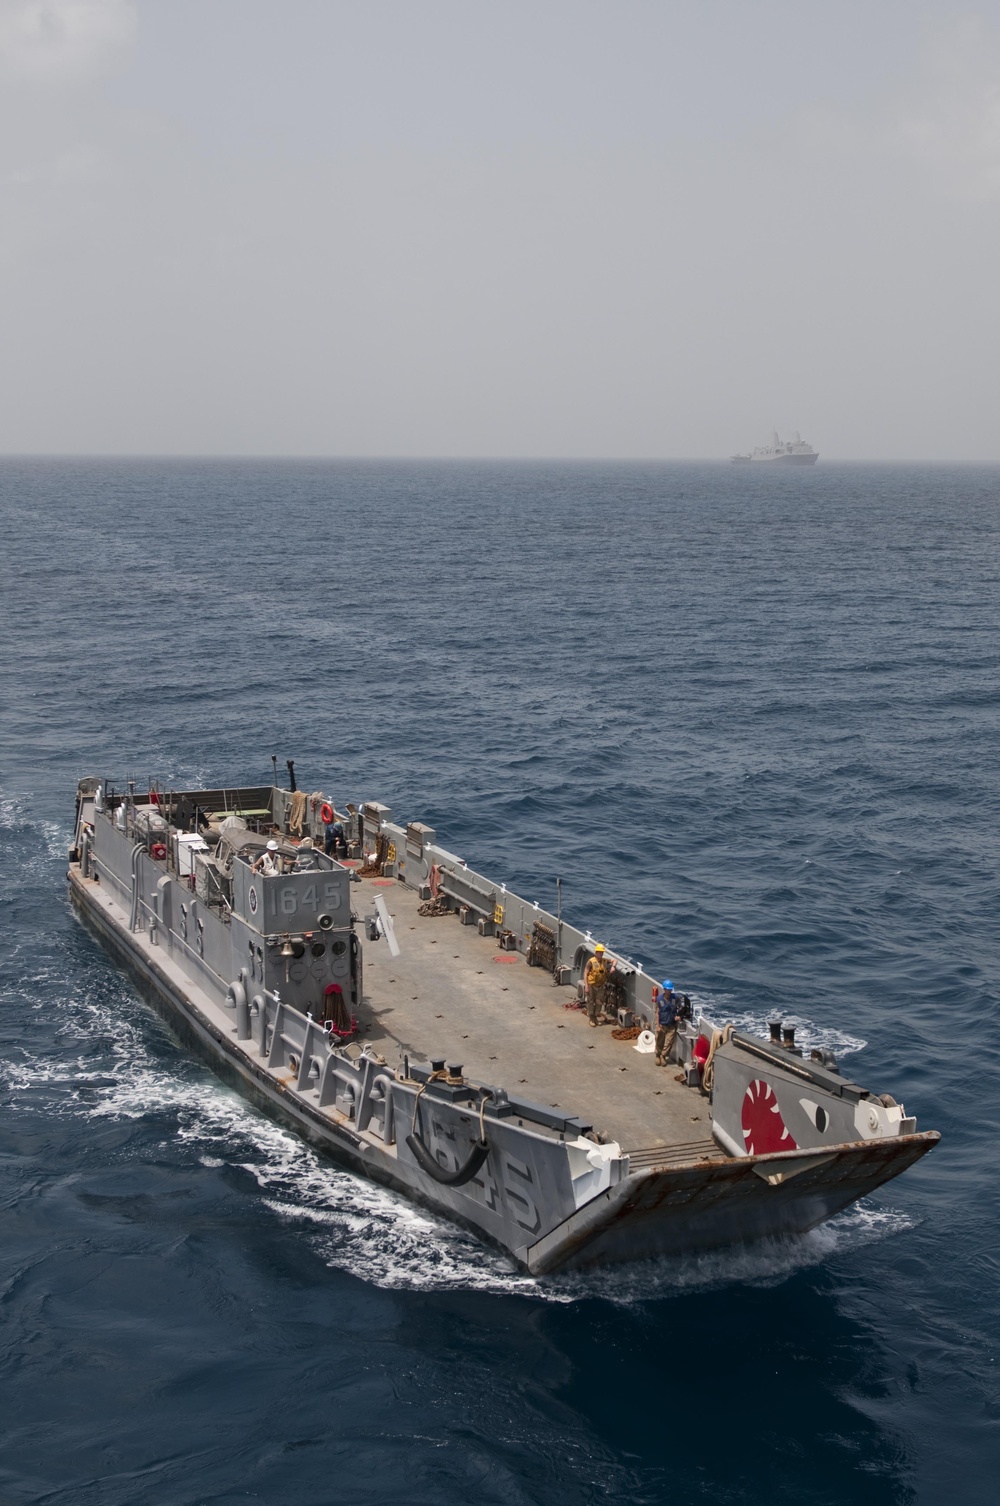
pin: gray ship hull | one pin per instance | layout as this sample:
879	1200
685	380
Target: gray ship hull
785	460
782	460
549	1192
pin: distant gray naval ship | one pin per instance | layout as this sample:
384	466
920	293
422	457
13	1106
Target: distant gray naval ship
792	451
423	1025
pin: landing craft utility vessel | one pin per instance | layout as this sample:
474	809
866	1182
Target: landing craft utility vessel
420	1023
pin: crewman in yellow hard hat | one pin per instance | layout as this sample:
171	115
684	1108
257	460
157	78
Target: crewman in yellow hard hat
595	980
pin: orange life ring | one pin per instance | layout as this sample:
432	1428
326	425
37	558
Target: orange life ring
435	880
326	813
158	851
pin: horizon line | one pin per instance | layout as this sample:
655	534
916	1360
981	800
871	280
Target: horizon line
458	459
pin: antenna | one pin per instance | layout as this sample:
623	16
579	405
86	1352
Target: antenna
558	926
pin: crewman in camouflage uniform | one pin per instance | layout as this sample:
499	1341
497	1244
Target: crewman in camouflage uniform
595	979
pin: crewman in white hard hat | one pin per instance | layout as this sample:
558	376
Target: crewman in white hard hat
269	863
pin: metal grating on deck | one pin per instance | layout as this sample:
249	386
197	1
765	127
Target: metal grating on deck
688	1153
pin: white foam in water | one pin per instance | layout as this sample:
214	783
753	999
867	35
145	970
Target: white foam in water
369	1233
765	1263
55	836
808	1035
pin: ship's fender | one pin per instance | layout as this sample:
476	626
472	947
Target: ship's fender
464	1173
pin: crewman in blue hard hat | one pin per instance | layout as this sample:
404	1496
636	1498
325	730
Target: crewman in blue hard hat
667	1007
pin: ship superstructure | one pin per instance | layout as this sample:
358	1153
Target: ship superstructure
421	1024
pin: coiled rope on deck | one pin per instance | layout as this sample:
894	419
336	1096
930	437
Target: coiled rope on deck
373	865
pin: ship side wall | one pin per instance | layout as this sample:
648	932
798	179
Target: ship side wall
528	1185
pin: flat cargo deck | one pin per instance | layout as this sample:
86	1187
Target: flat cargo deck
451	993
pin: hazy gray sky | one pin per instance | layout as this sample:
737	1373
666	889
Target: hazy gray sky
500	227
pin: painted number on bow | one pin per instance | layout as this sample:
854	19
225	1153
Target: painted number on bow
517	1179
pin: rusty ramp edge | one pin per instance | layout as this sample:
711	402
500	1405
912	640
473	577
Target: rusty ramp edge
684	1210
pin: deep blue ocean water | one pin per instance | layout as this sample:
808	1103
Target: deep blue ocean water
750	719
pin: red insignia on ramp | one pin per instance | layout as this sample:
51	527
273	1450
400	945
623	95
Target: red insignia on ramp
763	1127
